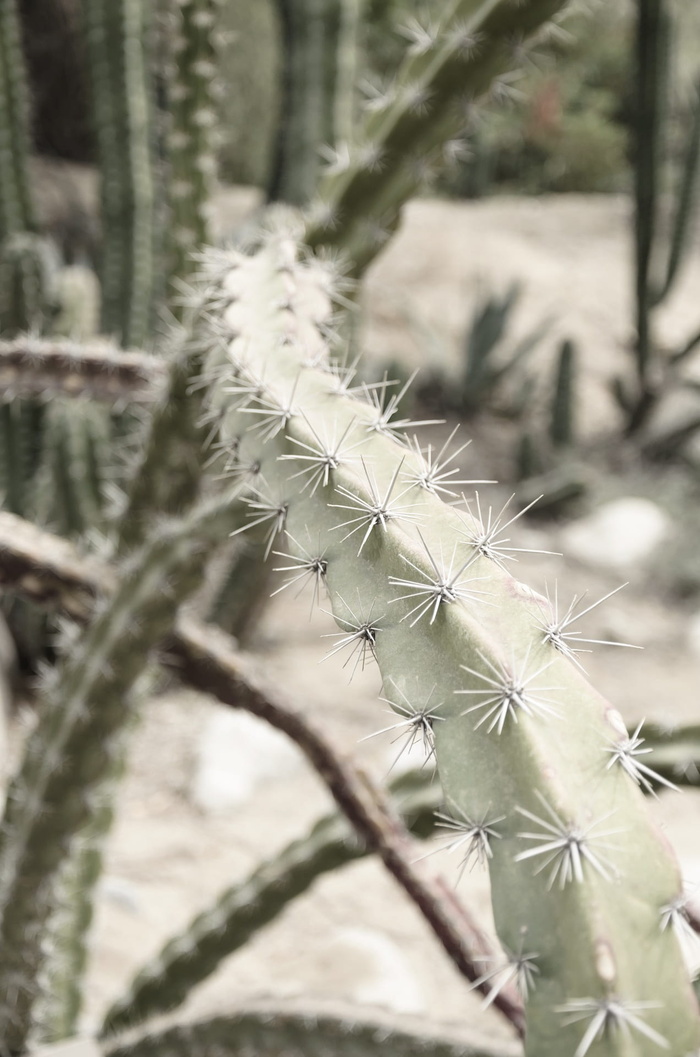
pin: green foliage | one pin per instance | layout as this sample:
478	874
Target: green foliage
567	127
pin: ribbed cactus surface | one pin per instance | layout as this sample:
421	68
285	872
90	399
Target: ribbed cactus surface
537	769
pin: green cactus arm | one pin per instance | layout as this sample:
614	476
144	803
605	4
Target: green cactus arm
244	908
579	871
118	35
277	1033
361	195
63	976
193	90
31	366
81	725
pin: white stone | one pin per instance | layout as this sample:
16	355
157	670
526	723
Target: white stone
619	535
236	753
382	974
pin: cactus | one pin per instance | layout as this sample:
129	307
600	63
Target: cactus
447	68
540	777
194	89
32	366
523	739
656	279
81	725
319	52
561	422
268	1031
118	37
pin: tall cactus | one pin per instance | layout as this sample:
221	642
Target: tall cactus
319	56
524	745
119	35
658	260
194	89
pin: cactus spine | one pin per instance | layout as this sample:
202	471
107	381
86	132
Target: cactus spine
578	871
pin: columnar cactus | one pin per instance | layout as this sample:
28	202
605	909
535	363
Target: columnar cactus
193	89
537	770
319	50
118	35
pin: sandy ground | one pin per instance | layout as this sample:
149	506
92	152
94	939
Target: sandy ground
356	937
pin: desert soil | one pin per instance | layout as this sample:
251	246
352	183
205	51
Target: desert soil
355	937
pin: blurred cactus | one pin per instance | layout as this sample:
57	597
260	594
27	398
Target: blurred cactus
563	412
194	88
119	36
658	260
319	50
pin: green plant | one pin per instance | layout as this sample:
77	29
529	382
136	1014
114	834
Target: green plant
480	669
658	259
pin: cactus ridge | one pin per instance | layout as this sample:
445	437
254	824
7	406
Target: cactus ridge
574	843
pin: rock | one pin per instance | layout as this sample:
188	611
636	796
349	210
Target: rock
376	971
236	753
693	633
619	535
